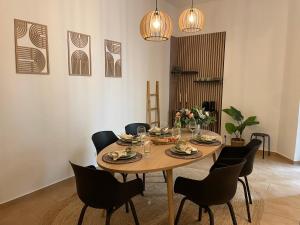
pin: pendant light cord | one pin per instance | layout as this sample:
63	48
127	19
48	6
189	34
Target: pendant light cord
192	3
156	6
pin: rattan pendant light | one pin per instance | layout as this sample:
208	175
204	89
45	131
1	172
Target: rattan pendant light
156	26
191	20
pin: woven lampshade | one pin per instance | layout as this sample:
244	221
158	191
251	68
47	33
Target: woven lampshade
156	26
191	20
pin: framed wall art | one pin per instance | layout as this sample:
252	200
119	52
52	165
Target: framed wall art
113	58
79	54
31	47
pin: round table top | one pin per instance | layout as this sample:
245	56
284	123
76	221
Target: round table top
156	160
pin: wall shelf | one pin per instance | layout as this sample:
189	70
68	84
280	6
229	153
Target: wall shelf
209	80
184	72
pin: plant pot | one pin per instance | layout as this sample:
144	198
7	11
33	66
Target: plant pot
237	142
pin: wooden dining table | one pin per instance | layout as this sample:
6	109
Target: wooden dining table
158	160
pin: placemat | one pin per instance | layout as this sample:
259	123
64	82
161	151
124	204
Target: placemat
194	156
205	144
123	143
108	159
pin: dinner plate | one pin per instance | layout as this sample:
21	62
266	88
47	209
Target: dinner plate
199	140
176	151
134	141
128	156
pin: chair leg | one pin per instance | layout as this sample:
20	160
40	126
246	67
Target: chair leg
232	213
137	176
263	147
124	175
248	190
200	213
134	213
82	214
165	177
108	216
179	211
246	198
269	145
211	216
144	181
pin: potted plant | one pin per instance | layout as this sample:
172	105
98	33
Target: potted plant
237	128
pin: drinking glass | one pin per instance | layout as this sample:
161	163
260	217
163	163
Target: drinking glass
192	126
147	148
141	132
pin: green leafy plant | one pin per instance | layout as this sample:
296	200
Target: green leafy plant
237	128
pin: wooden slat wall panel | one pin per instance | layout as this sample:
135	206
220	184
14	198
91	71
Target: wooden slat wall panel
202	53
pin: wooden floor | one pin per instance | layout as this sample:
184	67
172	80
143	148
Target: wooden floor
277	181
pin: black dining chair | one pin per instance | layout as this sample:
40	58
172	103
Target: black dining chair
101	140
248	153
132	129
101	190
219	187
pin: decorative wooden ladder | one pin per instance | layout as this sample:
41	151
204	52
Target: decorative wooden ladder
154	108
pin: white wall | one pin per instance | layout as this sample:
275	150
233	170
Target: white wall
47	120
297	150
255	57
291	90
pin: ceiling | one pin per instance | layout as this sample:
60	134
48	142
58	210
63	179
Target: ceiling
185	3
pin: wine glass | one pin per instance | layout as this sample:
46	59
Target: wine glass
176	133
192	126
164	127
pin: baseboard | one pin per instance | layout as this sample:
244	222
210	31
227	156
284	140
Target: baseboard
36	190
280	156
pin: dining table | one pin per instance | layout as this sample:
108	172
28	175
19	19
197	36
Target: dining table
158	160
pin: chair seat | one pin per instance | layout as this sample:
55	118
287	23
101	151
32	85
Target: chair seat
128	190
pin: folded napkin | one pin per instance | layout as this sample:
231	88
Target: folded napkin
186	148
159	130
155	130
126	136
117	154
207	138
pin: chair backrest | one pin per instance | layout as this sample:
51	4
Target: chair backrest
252	148
95	188
132	128
219	187
102	139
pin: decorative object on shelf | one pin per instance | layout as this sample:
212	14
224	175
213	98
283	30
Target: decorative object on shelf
237	128
196	113
191	20
156	26
113	58
79	54
208	79
31	48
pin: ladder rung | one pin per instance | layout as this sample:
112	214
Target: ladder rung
154	122
152	109
153	94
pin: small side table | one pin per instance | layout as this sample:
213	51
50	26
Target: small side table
263	136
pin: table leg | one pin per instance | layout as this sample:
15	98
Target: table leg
214	155
170	196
